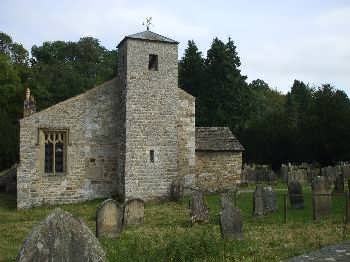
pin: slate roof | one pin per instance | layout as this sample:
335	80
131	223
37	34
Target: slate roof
149	36
216	139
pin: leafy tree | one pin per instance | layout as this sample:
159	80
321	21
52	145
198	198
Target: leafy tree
11	98
64	69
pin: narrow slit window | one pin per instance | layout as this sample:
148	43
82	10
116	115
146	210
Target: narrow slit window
153	62
151	156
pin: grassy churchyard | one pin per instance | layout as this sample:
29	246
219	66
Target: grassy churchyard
167	234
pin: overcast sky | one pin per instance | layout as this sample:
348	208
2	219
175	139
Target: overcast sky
278	41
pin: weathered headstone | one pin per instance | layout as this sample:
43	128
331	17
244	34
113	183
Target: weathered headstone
322	197
109	219
295	192
272	177
61	237
284	173
176	190
231	222
329	172
134	212
258	201
346	171
199	209
313	172
270	200
339	184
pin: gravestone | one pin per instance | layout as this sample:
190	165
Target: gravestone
272	177
61	237
270	200
231	221
322	197
329	172
134	212
295	192
176	190
109	219
258	201
313	172
339	184
199	209
284	173
346	171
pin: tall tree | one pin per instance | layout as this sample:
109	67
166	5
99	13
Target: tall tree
191	70
225	98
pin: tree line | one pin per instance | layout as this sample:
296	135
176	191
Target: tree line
307	124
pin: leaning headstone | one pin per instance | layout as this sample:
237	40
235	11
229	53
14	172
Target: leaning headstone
231	221
61	237
134	212
295	192
199	209
258	201
109	219
270	200
176	190
322	197
339	184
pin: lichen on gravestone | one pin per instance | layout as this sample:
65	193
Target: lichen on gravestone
61	237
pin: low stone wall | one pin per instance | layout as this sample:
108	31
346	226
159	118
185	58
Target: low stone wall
218	171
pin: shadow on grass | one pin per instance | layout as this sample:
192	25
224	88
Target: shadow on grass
8	201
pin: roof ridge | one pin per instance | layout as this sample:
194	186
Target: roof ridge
149	36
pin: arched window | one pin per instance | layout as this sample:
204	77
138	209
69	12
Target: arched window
55	144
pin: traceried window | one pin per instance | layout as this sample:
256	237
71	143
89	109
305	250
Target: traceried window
153	62
55	143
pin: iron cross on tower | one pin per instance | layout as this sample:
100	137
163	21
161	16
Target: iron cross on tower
148	22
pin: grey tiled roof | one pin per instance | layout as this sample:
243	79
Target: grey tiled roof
150	36
216	139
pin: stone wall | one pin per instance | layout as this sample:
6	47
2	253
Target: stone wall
218	171
151	112
91	123
186	138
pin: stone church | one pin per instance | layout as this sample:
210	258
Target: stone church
130	137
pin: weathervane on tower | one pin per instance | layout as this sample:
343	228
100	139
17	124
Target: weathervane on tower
148	22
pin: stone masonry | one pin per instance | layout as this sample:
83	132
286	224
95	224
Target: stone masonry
218	159
130	137
90	122
186	139
151	111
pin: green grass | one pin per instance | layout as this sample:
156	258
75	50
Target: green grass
167	234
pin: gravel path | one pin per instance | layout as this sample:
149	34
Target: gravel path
339	253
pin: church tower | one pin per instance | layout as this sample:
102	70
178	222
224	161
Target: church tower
148	76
